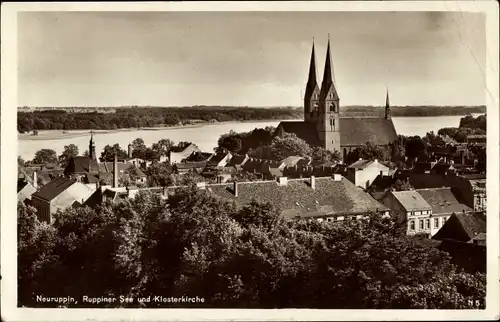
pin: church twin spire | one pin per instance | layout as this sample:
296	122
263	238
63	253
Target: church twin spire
328	75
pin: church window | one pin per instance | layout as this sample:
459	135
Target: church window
332	107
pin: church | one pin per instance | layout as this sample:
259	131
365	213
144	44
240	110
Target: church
325	126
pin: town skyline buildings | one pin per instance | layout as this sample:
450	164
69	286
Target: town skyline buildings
192	58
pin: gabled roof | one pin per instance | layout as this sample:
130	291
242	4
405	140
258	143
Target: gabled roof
474	225
357	131
24	190
463	227
304	130
360	164
81	165
329	196
291	161
54	188
443	201
218	158
411	200
237	160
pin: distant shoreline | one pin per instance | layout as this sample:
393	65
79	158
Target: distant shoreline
44	135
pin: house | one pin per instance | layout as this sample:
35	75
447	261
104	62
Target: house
137	176
292	161
179	156
412	211
237	161
464	227
59	194
24	190
325	125
444	203
363	172
79	166
219	160
328	198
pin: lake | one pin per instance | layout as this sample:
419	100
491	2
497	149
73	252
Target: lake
206	135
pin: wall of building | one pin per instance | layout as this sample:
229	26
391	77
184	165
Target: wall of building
42	207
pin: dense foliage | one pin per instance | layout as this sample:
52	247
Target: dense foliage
468	126
194	244
138	117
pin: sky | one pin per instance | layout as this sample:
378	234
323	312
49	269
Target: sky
248	58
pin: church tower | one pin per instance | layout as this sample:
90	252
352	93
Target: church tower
387	106
311	98
328	121
92	154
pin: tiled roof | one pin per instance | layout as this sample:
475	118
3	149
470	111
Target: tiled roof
330	196
411	200
442	201
472	224
217	158
81	165
237	159
54	188
24	190
304	130
108	166
291	161
358	131
360	164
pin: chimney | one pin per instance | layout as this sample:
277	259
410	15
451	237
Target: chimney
313	182
130	151
35	180
235	188
201	185
282	181
115	172
337	177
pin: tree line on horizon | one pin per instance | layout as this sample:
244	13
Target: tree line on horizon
138	117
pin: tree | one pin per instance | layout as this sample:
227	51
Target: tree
322	155
69	152
402	185
163	147
290	145
20	162
415	147
138	148
230	142
108	153
45	157
369	151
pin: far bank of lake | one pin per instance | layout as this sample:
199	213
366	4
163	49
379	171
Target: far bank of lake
203	135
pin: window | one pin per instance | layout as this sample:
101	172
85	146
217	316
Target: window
417	213
427	224
424	212
443	220
340	218
412	225
408	213
353	217
436	222
332	122
421	224
332	107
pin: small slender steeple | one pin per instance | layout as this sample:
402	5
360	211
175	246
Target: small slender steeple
311	81
328	75
92	154
387	106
